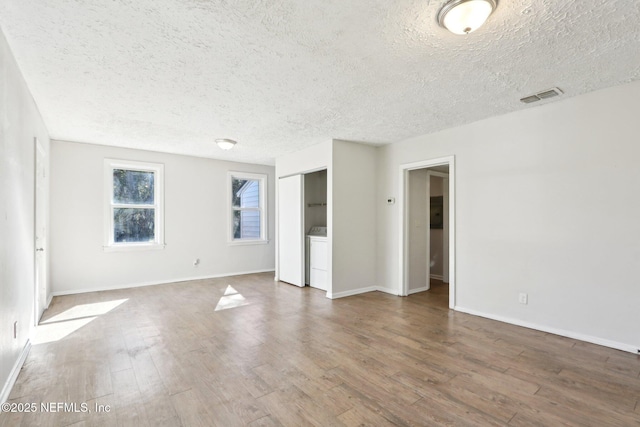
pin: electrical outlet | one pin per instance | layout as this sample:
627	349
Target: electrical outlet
523	298
15	330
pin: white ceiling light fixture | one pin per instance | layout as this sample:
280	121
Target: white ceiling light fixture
465	16
225	144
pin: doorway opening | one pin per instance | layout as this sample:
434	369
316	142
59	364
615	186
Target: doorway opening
427	246
303	247
315	226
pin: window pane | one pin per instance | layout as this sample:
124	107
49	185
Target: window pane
134	187
245	193
236	224
246	224
133	225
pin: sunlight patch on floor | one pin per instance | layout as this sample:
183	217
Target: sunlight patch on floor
231	299
62	325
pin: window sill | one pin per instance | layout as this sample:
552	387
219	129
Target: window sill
247	242
129	247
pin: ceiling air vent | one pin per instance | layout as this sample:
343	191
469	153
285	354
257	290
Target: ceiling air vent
545	94
530	99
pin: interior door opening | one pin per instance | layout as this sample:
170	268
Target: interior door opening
315	225
427	230
303	252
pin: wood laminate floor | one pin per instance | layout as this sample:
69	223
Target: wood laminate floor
250	351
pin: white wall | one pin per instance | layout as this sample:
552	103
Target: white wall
196	222
546	203
354	218
309	159
21	122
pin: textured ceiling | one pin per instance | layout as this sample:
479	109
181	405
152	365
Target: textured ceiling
280	75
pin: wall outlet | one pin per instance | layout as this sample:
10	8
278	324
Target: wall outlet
523	298
391	200
15	330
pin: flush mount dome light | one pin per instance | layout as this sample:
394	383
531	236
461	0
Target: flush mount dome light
465	16
225	144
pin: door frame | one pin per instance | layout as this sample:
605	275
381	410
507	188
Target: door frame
444	176
40	255
304	225
403	250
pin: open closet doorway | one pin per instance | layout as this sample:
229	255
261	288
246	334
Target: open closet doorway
315	222
427	229
303	247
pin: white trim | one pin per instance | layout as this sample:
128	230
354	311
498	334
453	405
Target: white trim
13	376
403	289
562	332
362	291
241	242
427	233
415	291
439	174
389	291
133	247
158	205
436	276
332	295
49	301
262	191
162	282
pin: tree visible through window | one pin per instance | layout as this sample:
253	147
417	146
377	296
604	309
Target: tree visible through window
247	206
134	208
134	205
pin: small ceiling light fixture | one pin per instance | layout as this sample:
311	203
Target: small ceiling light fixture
465	16
225	144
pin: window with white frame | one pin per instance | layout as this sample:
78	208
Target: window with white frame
134	206
248	201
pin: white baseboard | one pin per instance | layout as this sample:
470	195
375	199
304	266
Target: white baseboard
391	291
361	291
415	291
163	282
351	292
13	376
49	301
436	276
555	331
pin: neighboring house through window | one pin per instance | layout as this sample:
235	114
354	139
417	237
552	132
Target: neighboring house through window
247	207
134	217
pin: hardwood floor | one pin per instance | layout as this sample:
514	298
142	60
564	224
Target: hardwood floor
273	354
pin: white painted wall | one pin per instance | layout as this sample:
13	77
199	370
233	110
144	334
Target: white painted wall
354	218
21	122
196	222
309	159
547	204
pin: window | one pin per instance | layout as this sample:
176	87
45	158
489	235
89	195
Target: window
247	207
134	210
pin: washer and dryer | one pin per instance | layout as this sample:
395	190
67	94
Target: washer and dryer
316	257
